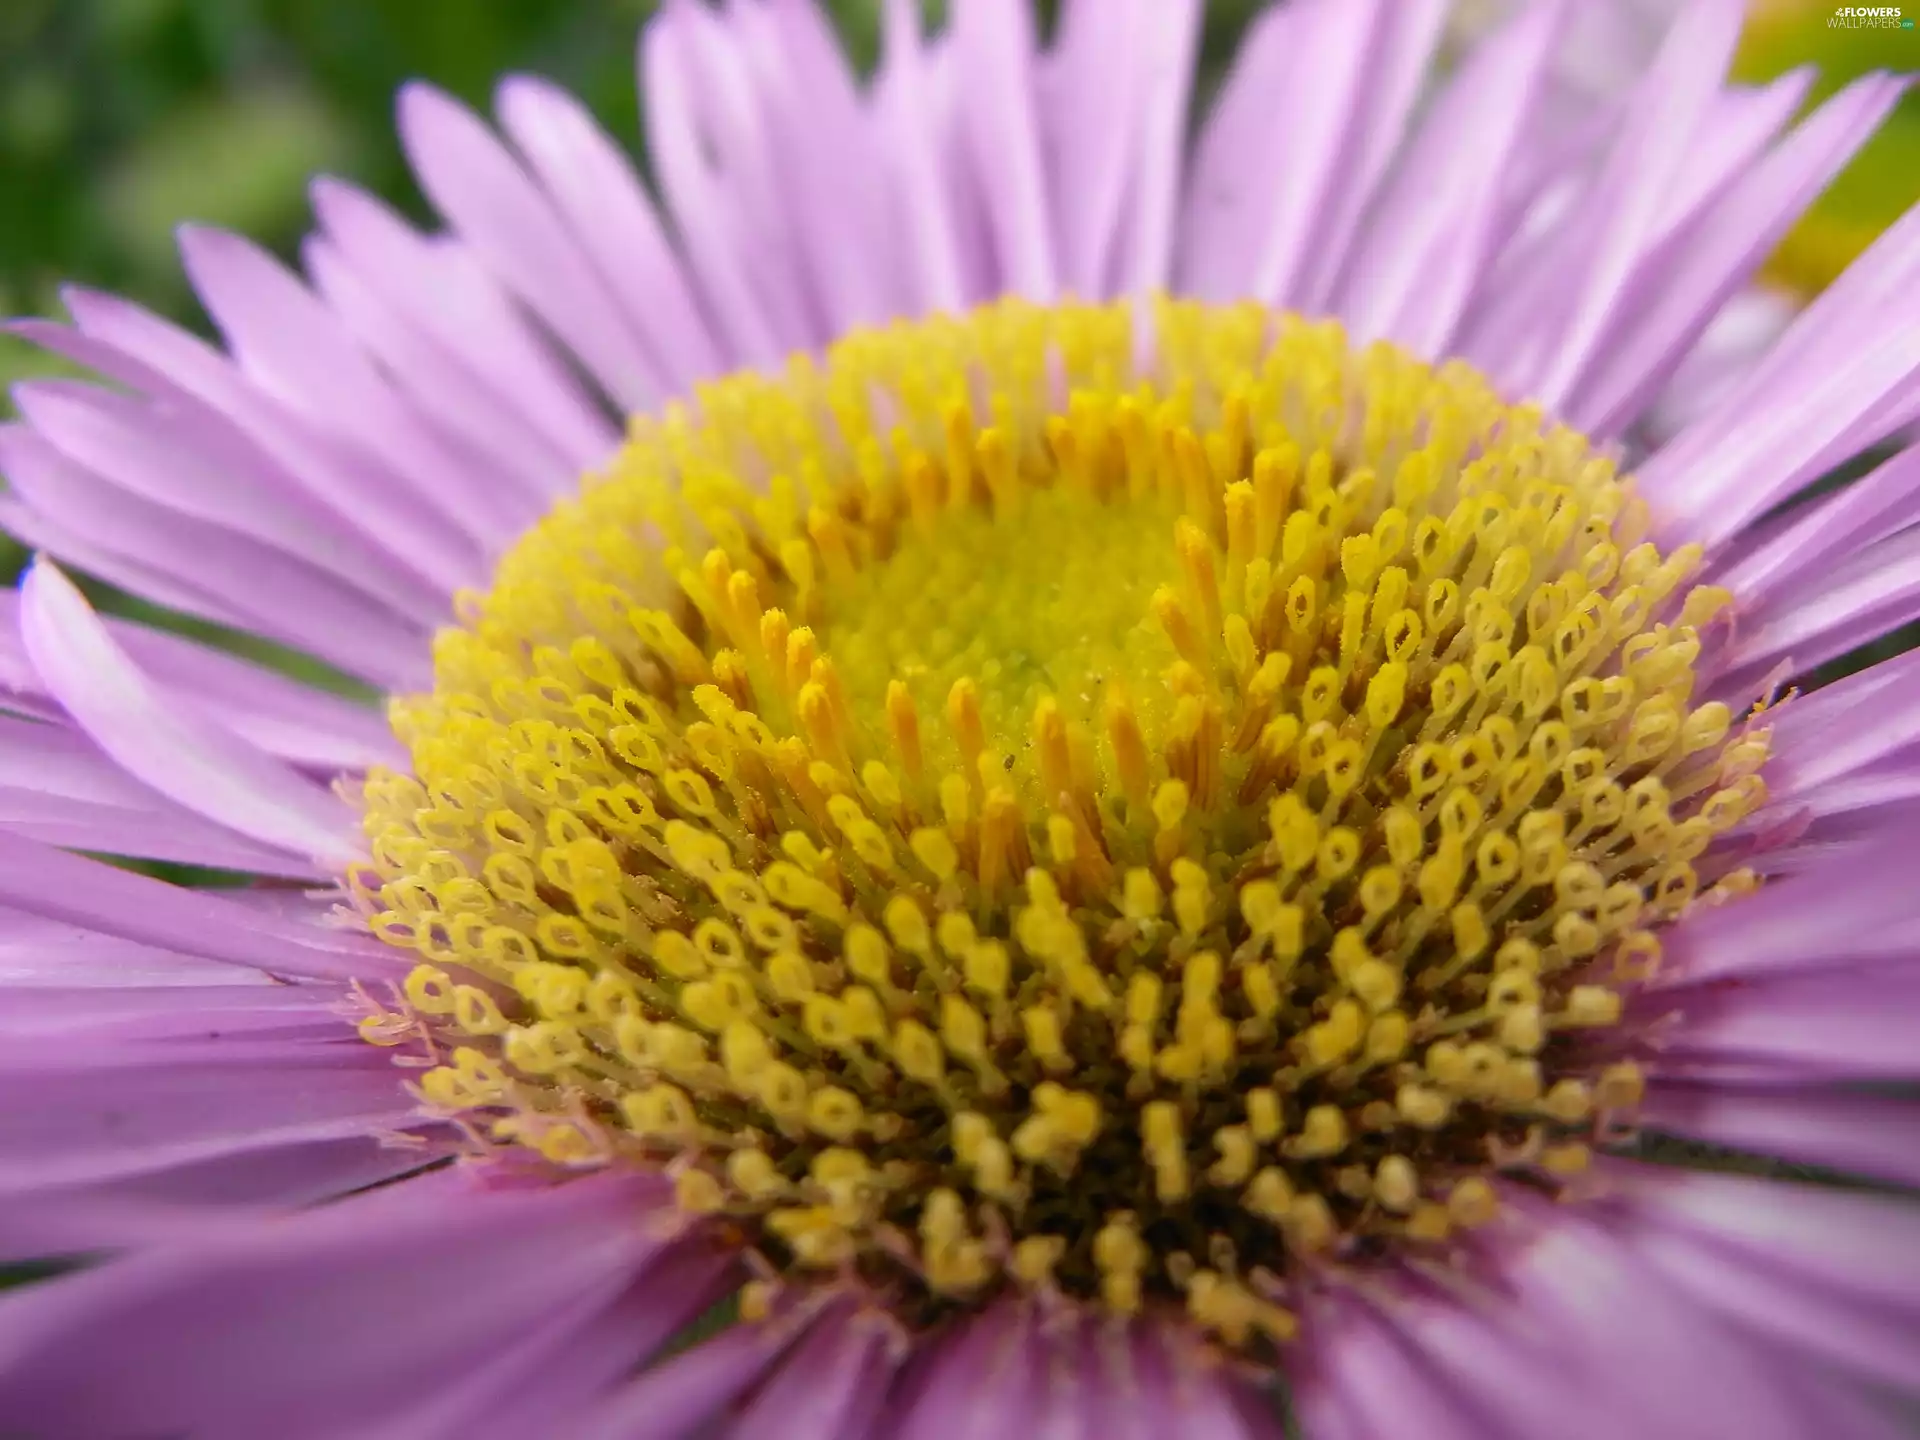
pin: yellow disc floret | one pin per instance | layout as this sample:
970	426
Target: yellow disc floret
1008	804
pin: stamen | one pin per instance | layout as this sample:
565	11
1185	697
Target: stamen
1187	833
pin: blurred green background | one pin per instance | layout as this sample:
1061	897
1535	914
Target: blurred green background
121	118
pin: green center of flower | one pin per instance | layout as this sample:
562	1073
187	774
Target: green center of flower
981	814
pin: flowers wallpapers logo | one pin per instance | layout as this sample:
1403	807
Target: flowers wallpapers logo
1869	17
1040	770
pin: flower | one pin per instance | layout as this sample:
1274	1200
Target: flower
1074	864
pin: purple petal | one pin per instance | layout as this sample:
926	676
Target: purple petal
1825	532
154	583
424	561
1292	96
1820	1271
1718	253
689	117
1861	724
1825	918
98	1017
1382	1385
678	1396
830	1386
60	789
294	348
166	744
1424	250
497	209
910	138
548	1382
357	484
1735	339
199	568
1843	1240
1396	70
1806	1321
994	47
327	732
980	1380
56	886
1058	1373
1832	1023
1839	380
465	415
1089	116
197	1200
1313	137
1149	223
85	1107
435	288
1591	1296
1877	1136
820	144
37	952
1187	1388
1619	217
1739	125
596	190
1501	1362
1855	599
182	464
320	1323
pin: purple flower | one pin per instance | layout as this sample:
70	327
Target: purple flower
1079	866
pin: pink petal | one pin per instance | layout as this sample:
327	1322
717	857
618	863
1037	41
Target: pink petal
1397	71
1619	216
1831	1023
1817	1273
86	1107
1383	1385
463	414
1835	384
1825	532
1590	1296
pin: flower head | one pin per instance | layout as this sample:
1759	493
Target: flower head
1072	861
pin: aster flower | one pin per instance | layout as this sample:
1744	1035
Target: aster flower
1034	864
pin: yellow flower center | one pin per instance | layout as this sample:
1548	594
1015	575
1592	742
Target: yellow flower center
1008	804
